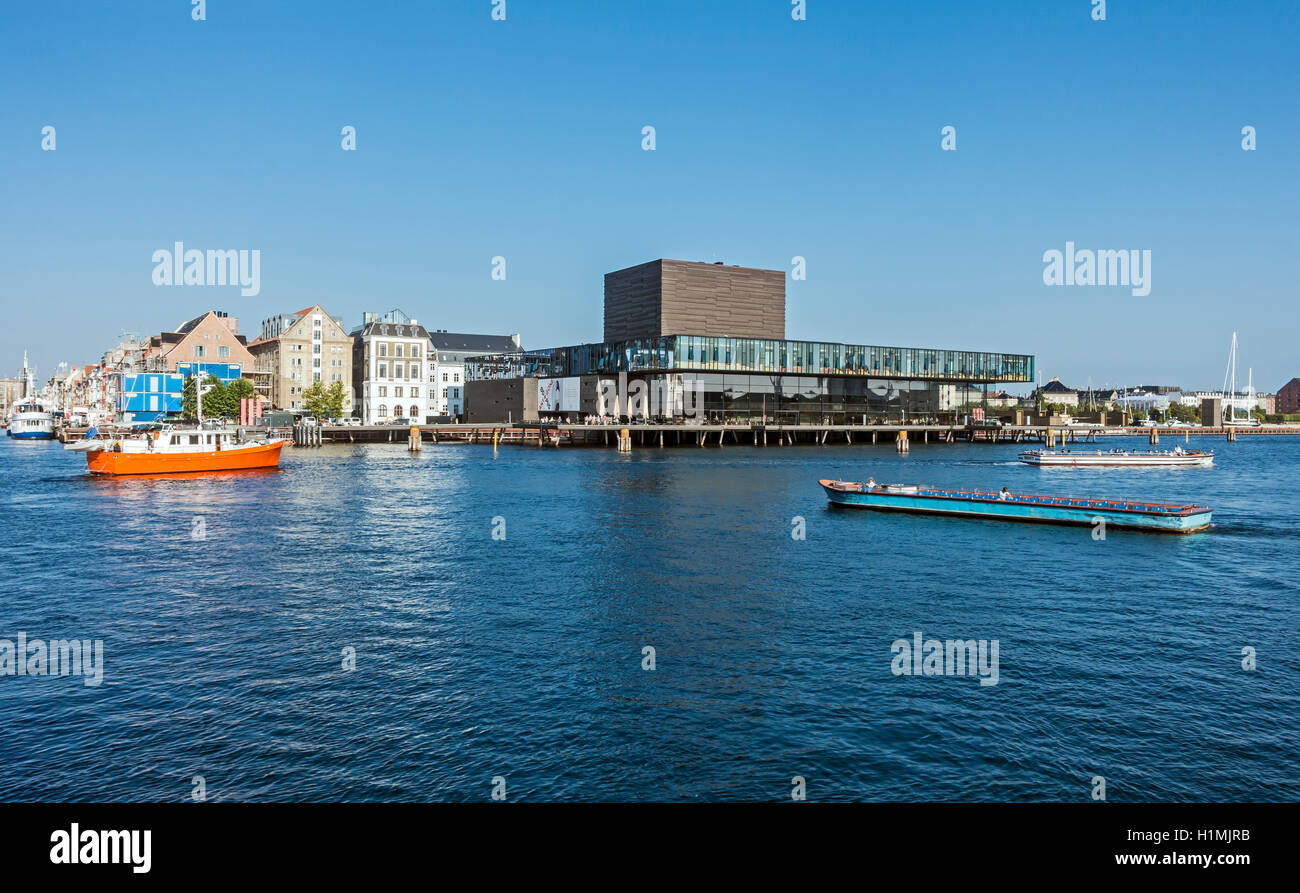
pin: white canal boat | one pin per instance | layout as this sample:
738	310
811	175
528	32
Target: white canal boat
32	418
1177	457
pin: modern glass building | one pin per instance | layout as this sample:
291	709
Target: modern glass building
738	378
680	353
787	382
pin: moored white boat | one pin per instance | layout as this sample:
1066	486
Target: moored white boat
32	418
1231	398
1177	457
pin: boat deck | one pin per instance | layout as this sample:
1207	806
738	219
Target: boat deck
1090	503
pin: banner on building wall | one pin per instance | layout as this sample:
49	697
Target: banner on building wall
559	394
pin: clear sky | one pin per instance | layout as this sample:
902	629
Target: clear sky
774	138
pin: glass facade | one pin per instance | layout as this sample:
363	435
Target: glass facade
682	353
507	365
789	399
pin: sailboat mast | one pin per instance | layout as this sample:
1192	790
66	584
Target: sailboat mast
1232	405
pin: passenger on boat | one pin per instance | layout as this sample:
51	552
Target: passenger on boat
871	483
1005	494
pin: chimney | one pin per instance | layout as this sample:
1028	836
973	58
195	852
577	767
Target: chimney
514	339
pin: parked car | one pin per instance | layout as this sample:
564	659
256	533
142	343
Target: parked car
307	420
401	422
350	421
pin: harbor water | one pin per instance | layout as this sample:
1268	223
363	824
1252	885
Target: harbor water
369	624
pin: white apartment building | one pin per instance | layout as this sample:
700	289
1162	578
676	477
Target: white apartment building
390	368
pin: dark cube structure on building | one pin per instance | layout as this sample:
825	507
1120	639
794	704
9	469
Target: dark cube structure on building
677	297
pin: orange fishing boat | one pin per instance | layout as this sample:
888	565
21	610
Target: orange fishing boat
177	450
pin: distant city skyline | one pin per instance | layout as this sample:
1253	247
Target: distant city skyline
774	139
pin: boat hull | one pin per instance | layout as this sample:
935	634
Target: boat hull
1040	509
1117	460
30	435
233	459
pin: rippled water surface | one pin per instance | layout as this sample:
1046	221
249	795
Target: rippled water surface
522	657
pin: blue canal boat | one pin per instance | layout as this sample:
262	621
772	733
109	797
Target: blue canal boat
1007	506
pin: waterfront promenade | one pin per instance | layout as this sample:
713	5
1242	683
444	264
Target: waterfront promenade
757	434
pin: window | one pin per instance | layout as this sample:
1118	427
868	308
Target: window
383	349
397	392
444	393
397	350
223	352
383	411
415	411
198	350
444	376
415	392
383	391
455	376
383	370
415	350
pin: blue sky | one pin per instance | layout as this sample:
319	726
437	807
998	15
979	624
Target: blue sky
775	138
